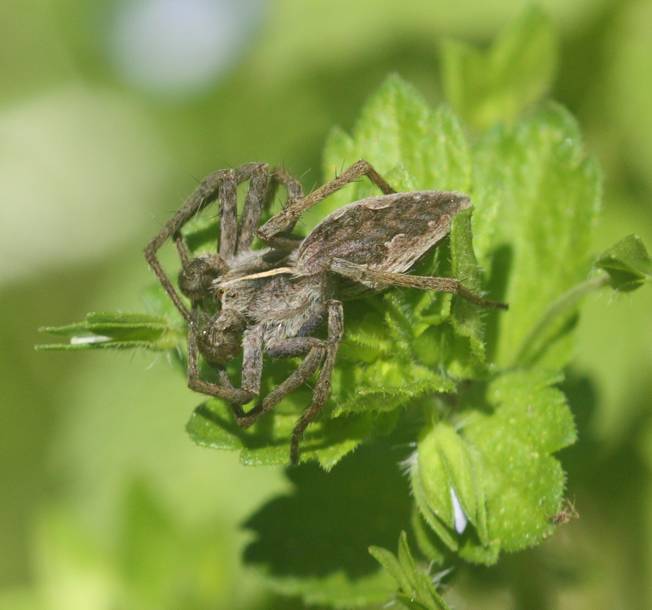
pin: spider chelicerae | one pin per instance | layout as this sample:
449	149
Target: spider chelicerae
272	301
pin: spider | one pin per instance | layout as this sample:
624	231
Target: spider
271	301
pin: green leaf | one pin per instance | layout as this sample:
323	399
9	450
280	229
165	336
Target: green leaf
627	263
533	223
116	330
625	267
404	345
411	145
213	425
312	540
389	561
416	588
411	342
498	465
467	317
524	484
446	477
410	332
496	85
385	385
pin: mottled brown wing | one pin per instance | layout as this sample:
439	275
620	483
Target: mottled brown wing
387	232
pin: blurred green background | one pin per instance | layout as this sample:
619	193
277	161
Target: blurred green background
110	111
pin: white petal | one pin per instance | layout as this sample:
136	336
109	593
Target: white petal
89	339
458	513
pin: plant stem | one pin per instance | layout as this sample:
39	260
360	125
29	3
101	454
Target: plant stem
563	304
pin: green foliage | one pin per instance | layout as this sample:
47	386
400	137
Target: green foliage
467	400
404	344
408	142
495	469
629	124
268	441
416	588
496	85
624	267
535	211
152	560
116	330
313	540
162	563
627	264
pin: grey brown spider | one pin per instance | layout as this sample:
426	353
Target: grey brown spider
272	301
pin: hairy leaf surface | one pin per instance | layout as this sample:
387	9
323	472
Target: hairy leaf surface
496	464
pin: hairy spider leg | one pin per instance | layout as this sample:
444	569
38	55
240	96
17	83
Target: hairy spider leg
222	184
257	196
262	187
252	359
235	236
319	353
205	193
287	218
294	193
263	182
295	346
234	396
291	184
294	381
182	249
323	386
364	275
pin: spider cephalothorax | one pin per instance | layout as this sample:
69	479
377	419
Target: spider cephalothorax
270	302
198	274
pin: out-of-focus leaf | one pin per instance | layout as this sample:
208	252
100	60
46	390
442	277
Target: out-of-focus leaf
150	541
312	541
72	571
367	29
496	471
622	107
496	85
628	264
19	600
116	330
163	564
154	561
91	189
